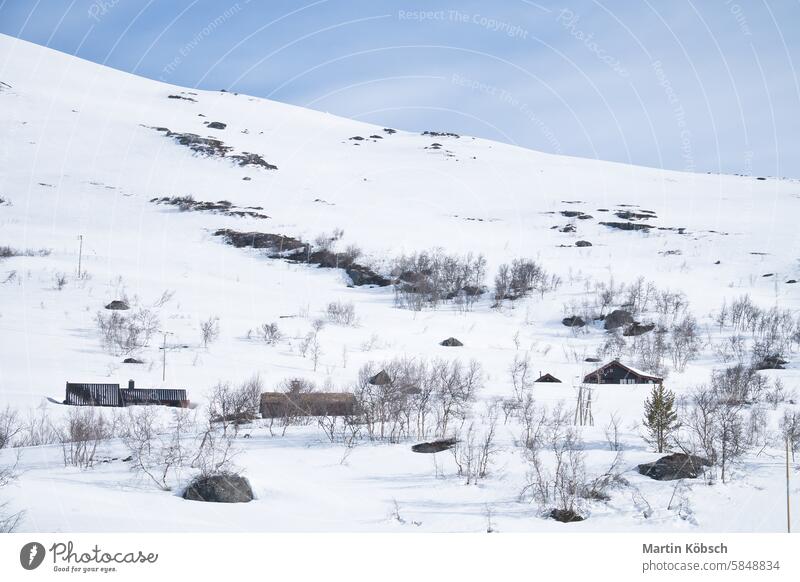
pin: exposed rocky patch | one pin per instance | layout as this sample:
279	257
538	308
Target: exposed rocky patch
628	225
118	305
189	204
440	134
182	97
576	214
637	329
212	147
630	215
772	362
565	515
583	243
382	378
573	321
617	318
217	125
451	342
295	250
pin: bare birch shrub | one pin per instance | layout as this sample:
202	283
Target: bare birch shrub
475	447
9	520
557	481
10	426
232	406
209	330
81	435
159	452
340	313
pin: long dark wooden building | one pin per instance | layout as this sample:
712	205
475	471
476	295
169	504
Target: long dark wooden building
615	372
87	394
287	404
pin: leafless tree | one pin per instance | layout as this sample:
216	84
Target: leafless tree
38	430
156	451
316	351
558	484
231	406
475	447
9	520
215	452
81	435
60	280
209	330
340	313
612	433
716	429
522	376
790	430
430	278
10	426
686	342
270	333
127	333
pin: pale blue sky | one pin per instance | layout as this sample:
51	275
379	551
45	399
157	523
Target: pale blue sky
703	86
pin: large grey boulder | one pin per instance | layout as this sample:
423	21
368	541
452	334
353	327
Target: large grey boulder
434	446
674	466
222	488
617	318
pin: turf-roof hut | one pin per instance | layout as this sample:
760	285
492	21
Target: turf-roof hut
548	378
615	372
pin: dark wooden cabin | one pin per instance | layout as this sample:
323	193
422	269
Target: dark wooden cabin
86	394
615	372
286	404
156	396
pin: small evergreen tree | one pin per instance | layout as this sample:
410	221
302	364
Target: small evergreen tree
660	417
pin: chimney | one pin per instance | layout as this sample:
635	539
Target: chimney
130	384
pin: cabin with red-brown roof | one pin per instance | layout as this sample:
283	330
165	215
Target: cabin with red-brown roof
615	372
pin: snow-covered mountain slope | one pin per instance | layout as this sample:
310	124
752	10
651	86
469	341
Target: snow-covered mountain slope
84	150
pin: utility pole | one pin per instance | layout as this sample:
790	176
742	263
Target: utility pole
788	508
80	254
164	356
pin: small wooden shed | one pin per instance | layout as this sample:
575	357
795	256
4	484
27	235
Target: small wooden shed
549	378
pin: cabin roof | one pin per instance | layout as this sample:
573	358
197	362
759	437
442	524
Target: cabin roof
547	377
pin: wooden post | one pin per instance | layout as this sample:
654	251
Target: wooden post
788	507
164	359
80	254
